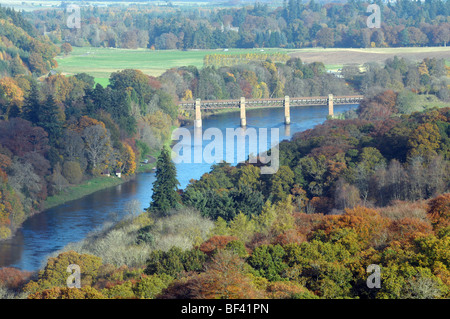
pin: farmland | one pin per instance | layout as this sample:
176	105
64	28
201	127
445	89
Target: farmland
101	62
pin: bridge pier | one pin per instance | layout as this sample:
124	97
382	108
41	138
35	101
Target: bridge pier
287	114
243	116
330	104
198	114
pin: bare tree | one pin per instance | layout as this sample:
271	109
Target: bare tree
98	144
133	207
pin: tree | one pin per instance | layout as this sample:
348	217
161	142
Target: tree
49	119
165	195
424	141
281	183
55	272
439	211
68	293
325	37
97	146
224	278
72	171
66	48
267	260
32	104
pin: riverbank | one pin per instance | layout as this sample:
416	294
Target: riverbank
86	188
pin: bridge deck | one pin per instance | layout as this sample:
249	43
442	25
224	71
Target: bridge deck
271	102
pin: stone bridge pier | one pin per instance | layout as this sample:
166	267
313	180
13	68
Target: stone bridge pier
243	115
287	114
198	114
330	104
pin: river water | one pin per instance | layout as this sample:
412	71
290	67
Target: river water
53	229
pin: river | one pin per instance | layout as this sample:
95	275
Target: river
51	230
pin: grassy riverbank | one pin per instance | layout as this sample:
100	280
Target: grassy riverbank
86	188
102	182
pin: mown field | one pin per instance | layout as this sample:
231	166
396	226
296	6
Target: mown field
101	62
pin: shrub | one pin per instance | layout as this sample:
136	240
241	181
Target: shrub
151	286
55	272
68	293
72	172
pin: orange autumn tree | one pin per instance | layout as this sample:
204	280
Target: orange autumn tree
439	211
83	122
215	243
366	222
224	278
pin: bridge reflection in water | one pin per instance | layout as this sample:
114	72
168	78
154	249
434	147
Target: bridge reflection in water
285	102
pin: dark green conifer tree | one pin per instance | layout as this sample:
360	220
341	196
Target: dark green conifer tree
49	119
31	106
165	195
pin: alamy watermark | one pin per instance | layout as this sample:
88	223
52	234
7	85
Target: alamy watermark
374	20
213	152
74	280
374	280
74	19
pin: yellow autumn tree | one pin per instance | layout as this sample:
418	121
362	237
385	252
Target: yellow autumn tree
187	96
129	160
10	90
424	141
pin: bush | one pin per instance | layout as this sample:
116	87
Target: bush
152	286
55	272
68	293
267	260
145	236
72	172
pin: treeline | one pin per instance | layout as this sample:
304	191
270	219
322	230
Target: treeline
264	78
62	131
294	25
22	50
398	74
254	79
219	60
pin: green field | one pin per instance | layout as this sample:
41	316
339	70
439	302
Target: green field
101	62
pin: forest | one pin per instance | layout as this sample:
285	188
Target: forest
295	24
349	193
365	187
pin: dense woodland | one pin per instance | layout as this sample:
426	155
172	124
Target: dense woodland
368	187
237	234
296	24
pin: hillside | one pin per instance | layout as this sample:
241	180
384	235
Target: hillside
22	51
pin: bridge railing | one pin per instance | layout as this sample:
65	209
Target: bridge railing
294	101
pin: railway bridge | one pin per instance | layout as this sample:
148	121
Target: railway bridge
285	102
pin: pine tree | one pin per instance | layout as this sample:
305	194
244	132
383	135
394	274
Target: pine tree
31	105
49	119
165	194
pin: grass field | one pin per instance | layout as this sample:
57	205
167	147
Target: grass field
101	62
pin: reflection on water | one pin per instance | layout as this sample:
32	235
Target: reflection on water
51	230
